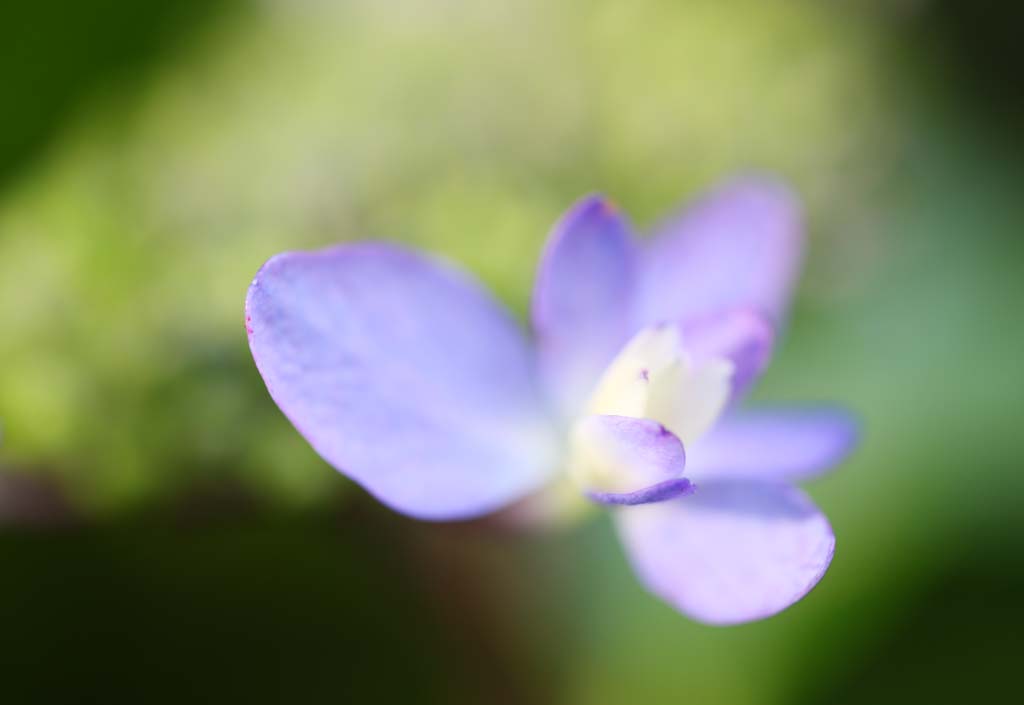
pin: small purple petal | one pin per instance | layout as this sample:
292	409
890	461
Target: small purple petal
775	444
582	298
625	460
742	336
669	489
731	553
404	375
740	246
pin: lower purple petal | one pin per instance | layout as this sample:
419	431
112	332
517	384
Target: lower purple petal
731	553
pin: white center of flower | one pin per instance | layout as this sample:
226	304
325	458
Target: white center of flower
652	378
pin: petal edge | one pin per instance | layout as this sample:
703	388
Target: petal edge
731	553
404	375
741	245
582	298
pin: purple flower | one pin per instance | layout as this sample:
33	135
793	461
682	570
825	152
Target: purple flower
405	375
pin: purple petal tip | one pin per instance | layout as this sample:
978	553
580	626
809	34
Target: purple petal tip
670	489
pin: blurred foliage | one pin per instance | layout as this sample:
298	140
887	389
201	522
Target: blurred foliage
144	184
57	53
302	124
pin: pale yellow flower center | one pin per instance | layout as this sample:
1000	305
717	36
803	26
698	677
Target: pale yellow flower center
652	378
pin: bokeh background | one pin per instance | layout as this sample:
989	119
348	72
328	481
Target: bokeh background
165	534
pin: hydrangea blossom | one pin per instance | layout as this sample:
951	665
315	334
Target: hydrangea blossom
406	376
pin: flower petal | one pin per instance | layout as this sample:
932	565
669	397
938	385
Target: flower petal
624	460
404	375
740	246
742	336
776	444
583	297
661	492
731	553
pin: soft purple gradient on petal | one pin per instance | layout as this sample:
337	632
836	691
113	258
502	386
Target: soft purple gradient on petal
739	246
731	553
582	299
669	489
404	375
631	454
742	336
775	444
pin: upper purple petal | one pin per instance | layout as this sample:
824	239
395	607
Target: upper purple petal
404	375
742	336
739	246
775	444
732	552
582	299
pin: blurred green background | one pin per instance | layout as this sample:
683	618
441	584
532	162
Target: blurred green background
165	534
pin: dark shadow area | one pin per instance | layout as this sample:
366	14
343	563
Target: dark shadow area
53	54
228	606
985	60
960	641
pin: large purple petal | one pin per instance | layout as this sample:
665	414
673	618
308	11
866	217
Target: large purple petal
625	460
404	375
582	300
732	552
742	336
775	444
740	246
